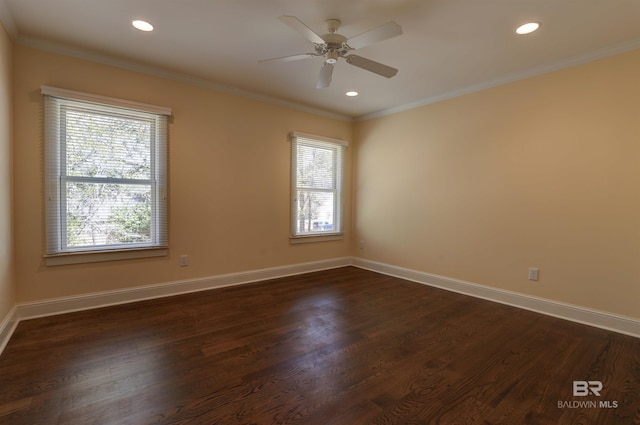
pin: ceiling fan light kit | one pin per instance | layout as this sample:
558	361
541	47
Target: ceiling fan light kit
333	46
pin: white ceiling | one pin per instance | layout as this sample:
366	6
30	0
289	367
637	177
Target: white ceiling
447	47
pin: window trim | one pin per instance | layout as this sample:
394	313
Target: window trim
81	257
341	146
54	226
104	100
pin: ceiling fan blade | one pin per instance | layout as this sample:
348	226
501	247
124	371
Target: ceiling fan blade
372	66
383	32
324	79
299	26
289	58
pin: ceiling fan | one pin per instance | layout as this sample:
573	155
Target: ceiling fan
333	46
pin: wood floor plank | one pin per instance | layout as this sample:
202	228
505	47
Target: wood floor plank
338	347
14	405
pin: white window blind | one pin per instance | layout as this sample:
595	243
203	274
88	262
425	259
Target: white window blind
106	173
317	185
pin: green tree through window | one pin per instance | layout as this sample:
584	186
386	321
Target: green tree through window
318	184
106	177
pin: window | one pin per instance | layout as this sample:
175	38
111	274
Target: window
317	184
106	174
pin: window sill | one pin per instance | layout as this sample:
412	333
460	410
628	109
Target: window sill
315	238
100	256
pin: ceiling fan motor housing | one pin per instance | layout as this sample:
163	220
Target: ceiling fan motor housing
332	24
334	46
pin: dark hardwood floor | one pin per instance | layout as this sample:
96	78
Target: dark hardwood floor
344	347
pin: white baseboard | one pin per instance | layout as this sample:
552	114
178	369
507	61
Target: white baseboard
51	307
609	321
24	311
7	326
103	299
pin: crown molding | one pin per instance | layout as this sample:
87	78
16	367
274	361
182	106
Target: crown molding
531	72
6	18
114	61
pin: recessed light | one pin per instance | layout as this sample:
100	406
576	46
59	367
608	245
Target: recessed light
528	28
351	93
142	25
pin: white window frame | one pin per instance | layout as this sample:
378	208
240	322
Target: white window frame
57	251
339	147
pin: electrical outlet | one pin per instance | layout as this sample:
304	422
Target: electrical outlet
184	260
361	244
533	273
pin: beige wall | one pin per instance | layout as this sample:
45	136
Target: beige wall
7	297
543	172
229	180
